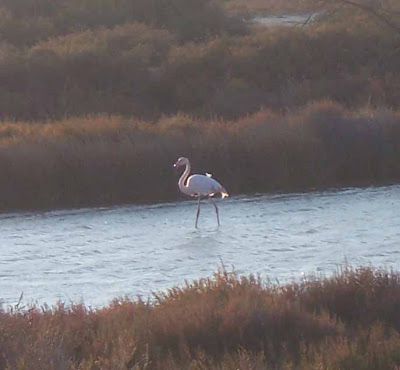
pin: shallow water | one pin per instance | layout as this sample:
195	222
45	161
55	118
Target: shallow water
98	254
290	20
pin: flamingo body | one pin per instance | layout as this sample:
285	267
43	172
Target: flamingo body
204	185
199	186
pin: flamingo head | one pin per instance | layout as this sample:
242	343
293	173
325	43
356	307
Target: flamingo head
182	161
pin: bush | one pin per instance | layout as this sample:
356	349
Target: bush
185	59
224	322
25	22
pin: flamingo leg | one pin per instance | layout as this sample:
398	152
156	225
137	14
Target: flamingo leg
216	209
198	213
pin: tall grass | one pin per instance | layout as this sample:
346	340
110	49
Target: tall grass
224	322
109	160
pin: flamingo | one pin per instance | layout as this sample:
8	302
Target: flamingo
199	186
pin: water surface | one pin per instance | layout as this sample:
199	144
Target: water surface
98	254
290	20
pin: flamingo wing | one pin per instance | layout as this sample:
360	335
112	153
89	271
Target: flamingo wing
203	185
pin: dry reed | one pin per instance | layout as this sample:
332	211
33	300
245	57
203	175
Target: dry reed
101	160
348	321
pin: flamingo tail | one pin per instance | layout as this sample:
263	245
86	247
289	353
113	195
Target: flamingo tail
224	193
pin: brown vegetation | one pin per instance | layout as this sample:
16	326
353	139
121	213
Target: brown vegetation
110	160
98	98
149	58
348	321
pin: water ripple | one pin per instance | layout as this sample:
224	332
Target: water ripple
97	254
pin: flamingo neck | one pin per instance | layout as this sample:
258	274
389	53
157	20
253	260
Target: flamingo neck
182	181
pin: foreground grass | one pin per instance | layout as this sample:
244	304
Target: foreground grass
348	321
102	160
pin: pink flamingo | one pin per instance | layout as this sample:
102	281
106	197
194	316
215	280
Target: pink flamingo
199	186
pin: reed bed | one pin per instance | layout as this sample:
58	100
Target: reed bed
101	160
347	321
97	99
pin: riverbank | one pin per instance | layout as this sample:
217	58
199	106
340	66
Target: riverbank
102	160
348	321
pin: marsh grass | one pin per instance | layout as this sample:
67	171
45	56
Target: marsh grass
228	321
100	160
97	99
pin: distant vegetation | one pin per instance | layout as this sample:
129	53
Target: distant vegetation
65	58
349	321
152	57
98	98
